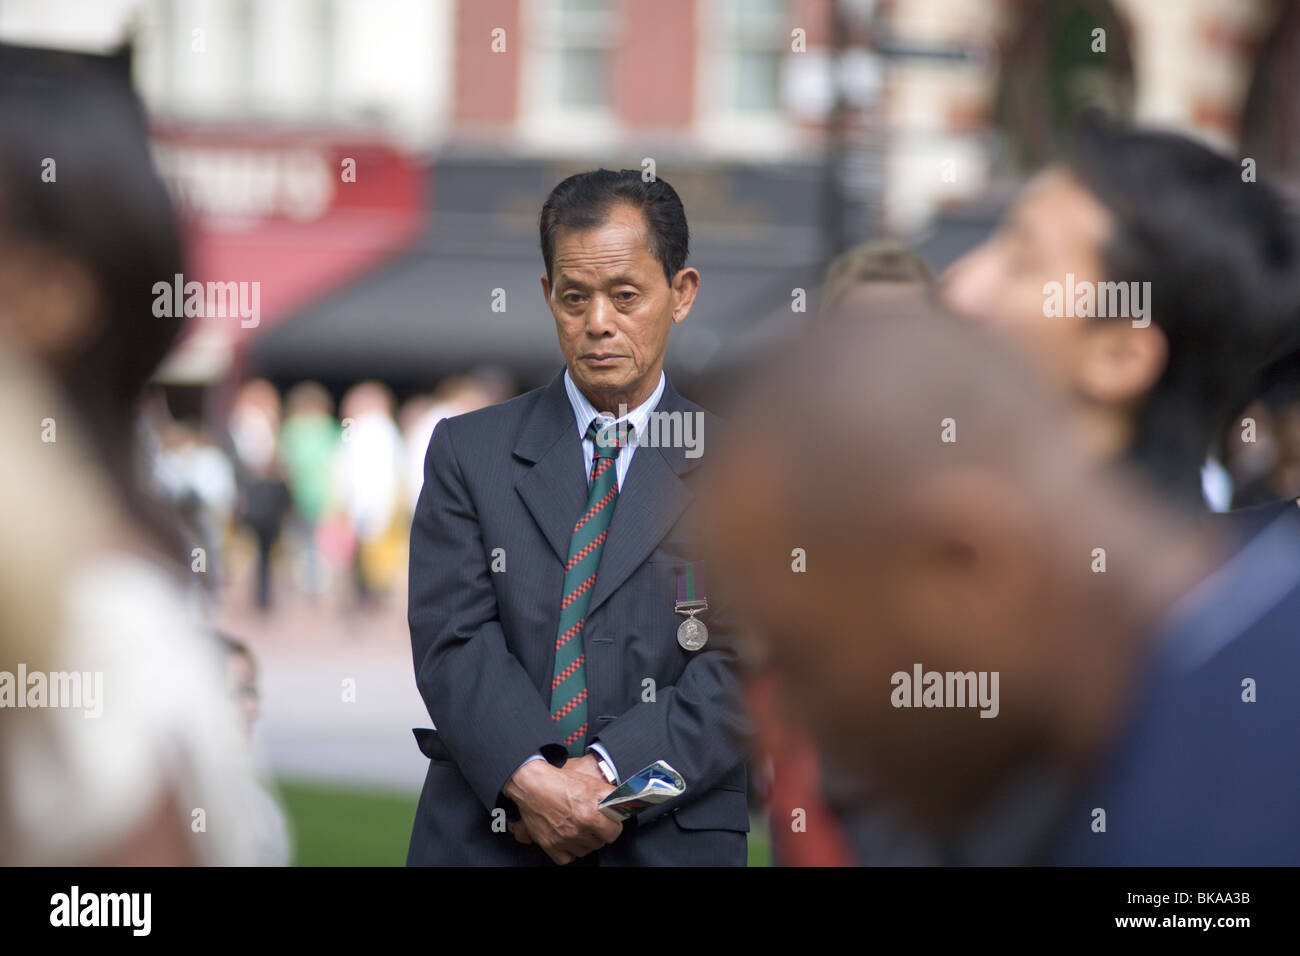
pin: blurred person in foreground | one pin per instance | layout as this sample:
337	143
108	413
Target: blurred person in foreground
551	548
1161	231
139	760
830	807
1000	666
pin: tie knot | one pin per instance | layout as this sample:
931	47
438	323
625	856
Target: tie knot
607	439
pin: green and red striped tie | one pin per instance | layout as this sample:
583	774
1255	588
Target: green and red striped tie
569	686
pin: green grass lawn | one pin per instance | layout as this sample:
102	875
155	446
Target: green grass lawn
334	825
356	826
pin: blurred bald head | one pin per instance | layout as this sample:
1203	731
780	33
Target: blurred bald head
947	520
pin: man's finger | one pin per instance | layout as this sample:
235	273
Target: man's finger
607	829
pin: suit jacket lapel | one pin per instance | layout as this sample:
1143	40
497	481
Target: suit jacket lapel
555	488
649	505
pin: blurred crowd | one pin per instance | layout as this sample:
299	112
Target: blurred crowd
293	497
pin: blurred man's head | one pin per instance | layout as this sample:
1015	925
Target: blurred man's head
616	280
309	399
877	268
951	555
1222	260
367	399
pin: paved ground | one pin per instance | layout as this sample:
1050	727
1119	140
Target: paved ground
306	652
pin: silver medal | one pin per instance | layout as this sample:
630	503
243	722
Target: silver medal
692	634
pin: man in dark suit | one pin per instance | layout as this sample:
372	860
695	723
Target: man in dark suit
548	549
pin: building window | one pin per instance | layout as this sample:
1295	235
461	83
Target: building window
754	41
579	35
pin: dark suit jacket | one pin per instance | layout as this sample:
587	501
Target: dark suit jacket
512	477
1201	777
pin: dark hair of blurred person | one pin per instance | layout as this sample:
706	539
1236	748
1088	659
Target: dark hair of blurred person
1120	686
85	230
79	254
1222	258
583	201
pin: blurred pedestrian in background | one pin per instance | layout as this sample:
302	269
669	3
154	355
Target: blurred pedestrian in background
877	267
196	476
264	494
370	488
1274	424
263	814
309	442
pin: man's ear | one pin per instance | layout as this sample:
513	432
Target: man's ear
546	290
1118	363
686	285
968	564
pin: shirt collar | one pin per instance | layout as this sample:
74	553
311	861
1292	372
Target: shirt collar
584	411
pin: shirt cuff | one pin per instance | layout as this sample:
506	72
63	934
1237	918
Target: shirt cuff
536	756
603	754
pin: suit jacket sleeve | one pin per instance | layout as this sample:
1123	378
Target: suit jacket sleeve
699	725
488	714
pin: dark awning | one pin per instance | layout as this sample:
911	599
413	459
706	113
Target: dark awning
429	313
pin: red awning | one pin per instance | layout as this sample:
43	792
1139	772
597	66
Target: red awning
290	218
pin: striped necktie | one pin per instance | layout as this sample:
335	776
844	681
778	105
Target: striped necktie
569	686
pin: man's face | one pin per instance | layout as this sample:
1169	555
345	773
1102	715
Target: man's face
1056	227
613	307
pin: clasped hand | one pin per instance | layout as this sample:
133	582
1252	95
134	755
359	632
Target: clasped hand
557	808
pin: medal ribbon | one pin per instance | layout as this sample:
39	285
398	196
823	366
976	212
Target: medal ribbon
690	584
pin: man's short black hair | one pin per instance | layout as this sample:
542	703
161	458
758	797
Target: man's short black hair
584	201
1223	259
